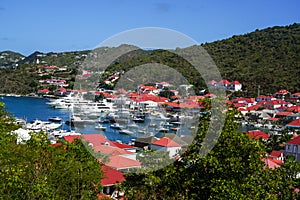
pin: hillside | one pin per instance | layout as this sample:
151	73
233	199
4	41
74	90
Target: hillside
9	58
267	58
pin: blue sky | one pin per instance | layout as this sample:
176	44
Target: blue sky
66	25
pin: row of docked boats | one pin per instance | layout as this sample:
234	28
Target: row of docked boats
78	104
126	118
52	127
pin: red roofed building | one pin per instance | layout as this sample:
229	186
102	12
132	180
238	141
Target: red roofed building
276	155
292	147
110	178
294	124
60	91
223	83
255	107
296	95
71	138
49	68
121	163
212	83
272	164
273	104
235	85
256	134
96	139
167	145
265	98
123	146
281	93
295	109
112	151
44	91
283	114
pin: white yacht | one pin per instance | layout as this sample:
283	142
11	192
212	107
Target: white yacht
38	125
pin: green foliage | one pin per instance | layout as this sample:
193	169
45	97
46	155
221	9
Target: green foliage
268	58
36	170
232	170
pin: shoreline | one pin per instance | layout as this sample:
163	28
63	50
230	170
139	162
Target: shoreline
29	95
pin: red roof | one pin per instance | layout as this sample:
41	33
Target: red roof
255	107
275	154
273	119
265	97
237	105
282	92
258	134
109	150
62	90
284	113
95	139
166	142
225	82
111	176
44	91
295	140
236	83
294	109
120	162
296	94
71	138
122	146
270	163
295	123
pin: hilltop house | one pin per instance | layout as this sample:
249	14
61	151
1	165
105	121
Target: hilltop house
235	85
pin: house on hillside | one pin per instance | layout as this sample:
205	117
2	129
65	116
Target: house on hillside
235	85
281	94
257	134
112	151
294	124
122	163
292	147
43	91
60	91
167	145
276	155
110	178
50	68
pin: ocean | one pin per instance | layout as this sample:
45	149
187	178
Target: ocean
31	108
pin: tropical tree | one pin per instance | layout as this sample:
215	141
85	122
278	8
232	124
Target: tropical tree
37	170
233	169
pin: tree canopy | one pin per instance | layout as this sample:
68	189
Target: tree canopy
37	170
232	170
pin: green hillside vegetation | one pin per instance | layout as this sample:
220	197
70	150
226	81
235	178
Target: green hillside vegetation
9	58
168	58
267	58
